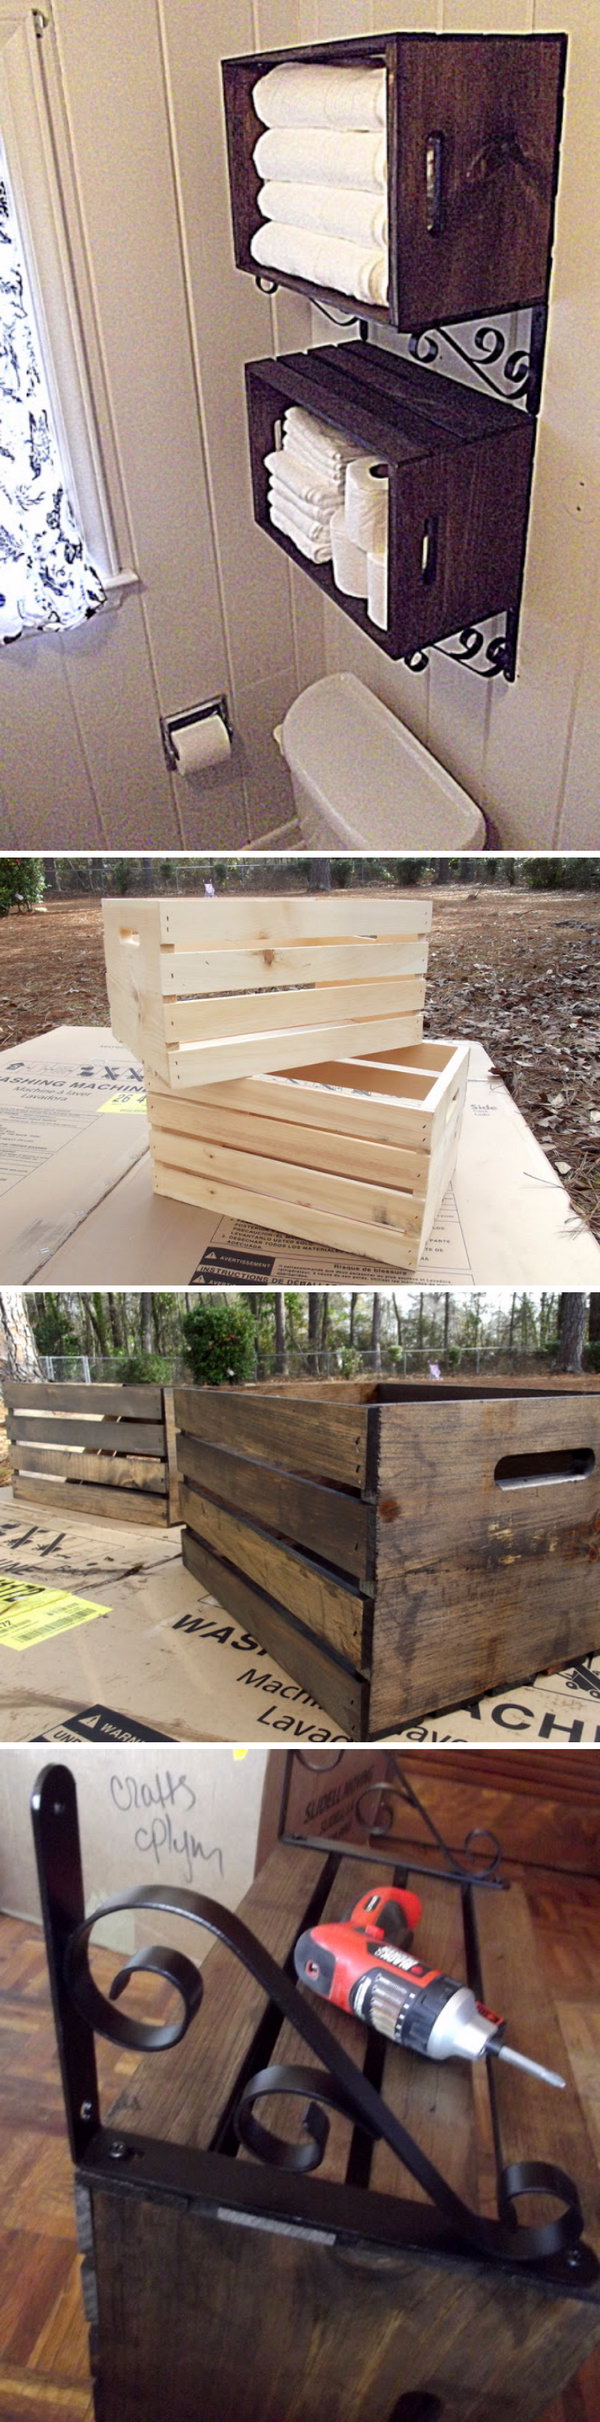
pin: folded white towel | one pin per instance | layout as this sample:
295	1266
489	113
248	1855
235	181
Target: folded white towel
314	524
303	155
312	95
313	442
305	484
337	209
323	260
318	550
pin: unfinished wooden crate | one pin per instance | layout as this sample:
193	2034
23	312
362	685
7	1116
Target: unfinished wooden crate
107	1452
355	1154
218	2286
402	1554
204	990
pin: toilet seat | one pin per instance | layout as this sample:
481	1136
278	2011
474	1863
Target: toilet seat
359	771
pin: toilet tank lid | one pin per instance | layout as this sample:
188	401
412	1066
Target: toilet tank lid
379	785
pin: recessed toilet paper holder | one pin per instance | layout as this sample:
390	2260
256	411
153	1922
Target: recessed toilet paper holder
170	725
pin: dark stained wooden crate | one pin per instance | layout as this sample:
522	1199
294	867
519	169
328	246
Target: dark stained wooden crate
105	1452
495	101
459	468
401	1554
273	2298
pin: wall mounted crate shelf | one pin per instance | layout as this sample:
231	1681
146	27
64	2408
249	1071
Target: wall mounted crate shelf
473	131
105	1452
400	1555
203	990
221	2284
459	466
353	1153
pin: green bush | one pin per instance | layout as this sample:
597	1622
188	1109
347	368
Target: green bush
52	1335
133	1369
220	1342
21	879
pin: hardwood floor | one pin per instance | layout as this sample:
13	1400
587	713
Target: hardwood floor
43	2338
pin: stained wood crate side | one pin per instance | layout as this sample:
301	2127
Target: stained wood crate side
319	1680
329	1443
535	2123
145	1472
142	1438
329	1521
332	1608
462	1444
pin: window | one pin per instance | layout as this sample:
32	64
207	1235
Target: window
59	555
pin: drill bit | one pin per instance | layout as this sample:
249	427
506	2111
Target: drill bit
519	2061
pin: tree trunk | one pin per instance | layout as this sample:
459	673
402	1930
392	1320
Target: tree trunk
594	1320
399	1321
571	1332
447	1302
19	1357
319	874
324	1335
376	1331
116	1324
146	1338
353	1304
314	1322
280	1356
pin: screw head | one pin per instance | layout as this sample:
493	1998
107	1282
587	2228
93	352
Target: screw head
574	2257
117	2150
86	2110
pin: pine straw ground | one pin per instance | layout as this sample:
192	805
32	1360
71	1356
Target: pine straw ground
517	971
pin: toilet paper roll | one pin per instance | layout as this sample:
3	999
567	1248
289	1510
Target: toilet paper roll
198	746
349	562
366	500
377	585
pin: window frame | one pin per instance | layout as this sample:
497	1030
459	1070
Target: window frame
42	180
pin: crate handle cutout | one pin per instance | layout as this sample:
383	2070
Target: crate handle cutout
541	1471
131	939
434	168
429	549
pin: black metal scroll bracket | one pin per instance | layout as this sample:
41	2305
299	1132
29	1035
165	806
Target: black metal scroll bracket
374	1812
81	2010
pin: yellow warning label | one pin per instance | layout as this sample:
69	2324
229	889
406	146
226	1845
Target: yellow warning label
125	1101
29	1614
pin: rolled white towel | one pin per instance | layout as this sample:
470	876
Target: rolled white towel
312	523
323	260
336	209
318	550
315	443
305	484
304	155
366	501
312	95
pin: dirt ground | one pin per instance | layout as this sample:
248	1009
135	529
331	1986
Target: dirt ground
517	971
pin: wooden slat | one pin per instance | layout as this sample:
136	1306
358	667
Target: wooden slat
279	2113
363	1097
433	2098
536	2122
308	1189
332	1609
183	2098
118	1503
336	1689
191	924
331	1524
274	1138
306	962
330	1442
113	1471
171	1449
143	1438
391	1246
68	1396
258	1013
245	1054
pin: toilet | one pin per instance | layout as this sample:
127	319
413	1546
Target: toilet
362	782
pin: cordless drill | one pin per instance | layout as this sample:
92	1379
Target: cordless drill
365	1966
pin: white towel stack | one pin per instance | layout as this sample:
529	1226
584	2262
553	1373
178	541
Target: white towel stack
323	159
306	482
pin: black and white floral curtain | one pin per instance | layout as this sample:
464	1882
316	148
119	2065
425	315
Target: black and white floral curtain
47	581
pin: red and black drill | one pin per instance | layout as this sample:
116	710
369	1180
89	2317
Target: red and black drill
365	1966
